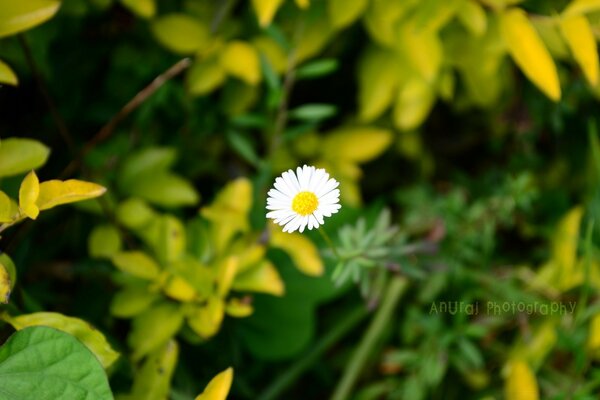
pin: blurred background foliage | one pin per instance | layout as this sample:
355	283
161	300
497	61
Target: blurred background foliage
463	134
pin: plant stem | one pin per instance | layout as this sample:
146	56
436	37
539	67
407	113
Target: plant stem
382	317
291	375
329	243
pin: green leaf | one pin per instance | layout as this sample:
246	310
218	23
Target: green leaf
205	76
136	263
21	155
46	364
7	75
146	162
104	241
317	68
164	189
134	213
244	147
181	33
82	330
312	112
344	12
18	16
154	327
131	301
142	8
55	192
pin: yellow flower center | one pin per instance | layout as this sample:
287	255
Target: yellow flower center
305	203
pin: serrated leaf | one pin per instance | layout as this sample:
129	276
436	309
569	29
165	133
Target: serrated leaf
153	328
28	195
141	8
528	51
104	241
136	263
218	387
55	192
7	75
579	37
153	380
82	330
265	10
18	16
344	12
46	364
241	60
20	155
181	33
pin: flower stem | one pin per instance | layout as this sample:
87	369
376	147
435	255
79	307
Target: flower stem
382	317
330	243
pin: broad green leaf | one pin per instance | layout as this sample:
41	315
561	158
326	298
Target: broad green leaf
206	319
136	263
7	75
378	76
356	144
302	251
46	364
104	241
141	8
313	112
82	330
181	33
263	278
164	189
205	76
7	209
472	15
241	60
579	7
154	327
218	387
579	36
415	100
265	10
28	195
528	51
18	16
5	284
20	155
520	381
153	380
146	162
344	12
131	301
55	192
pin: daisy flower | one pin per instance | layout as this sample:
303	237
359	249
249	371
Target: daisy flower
302	199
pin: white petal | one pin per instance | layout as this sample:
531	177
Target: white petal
323	177
328	187
315	223
292	181
281	190
319	216
303	223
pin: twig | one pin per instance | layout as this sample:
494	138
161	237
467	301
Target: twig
107	130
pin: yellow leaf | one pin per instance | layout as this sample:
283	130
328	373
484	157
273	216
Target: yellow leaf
7	208
579	7
422	49
265	10
226	272
153	380
55	192
205	76
262	278
382	18
137	264
7	75
415	100
378	73
154	327
580	38
301	250
218	387
529	53
520	381
538	345
179	289
5	284
142	8
131	301
549	30
181	33
472	15
314	37
206	320
82	330
249	256
356	144
19	16
28	194
344	12
593	340
274	53
238	308
241	60
304	4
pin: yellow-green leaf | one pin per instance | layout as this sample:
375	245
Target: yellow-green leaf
301	250
378	73
356	144
164	189
472	15
273	51
79	328
7	75
153	380
205	76
7	208
5	284
265	10
55	192
154	327
18	16
226	272
241	60
520	381
593	339
142	8
20	155
238	308
218	387
179	289
422	50
206	320
415	100
181	33
579	36
136	263
303	4
28	195
529	53
263	278
579	7
132	301
104	241
134	213
344	12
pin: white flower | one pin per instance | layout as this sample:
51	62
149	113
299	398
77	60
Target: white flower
303	199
